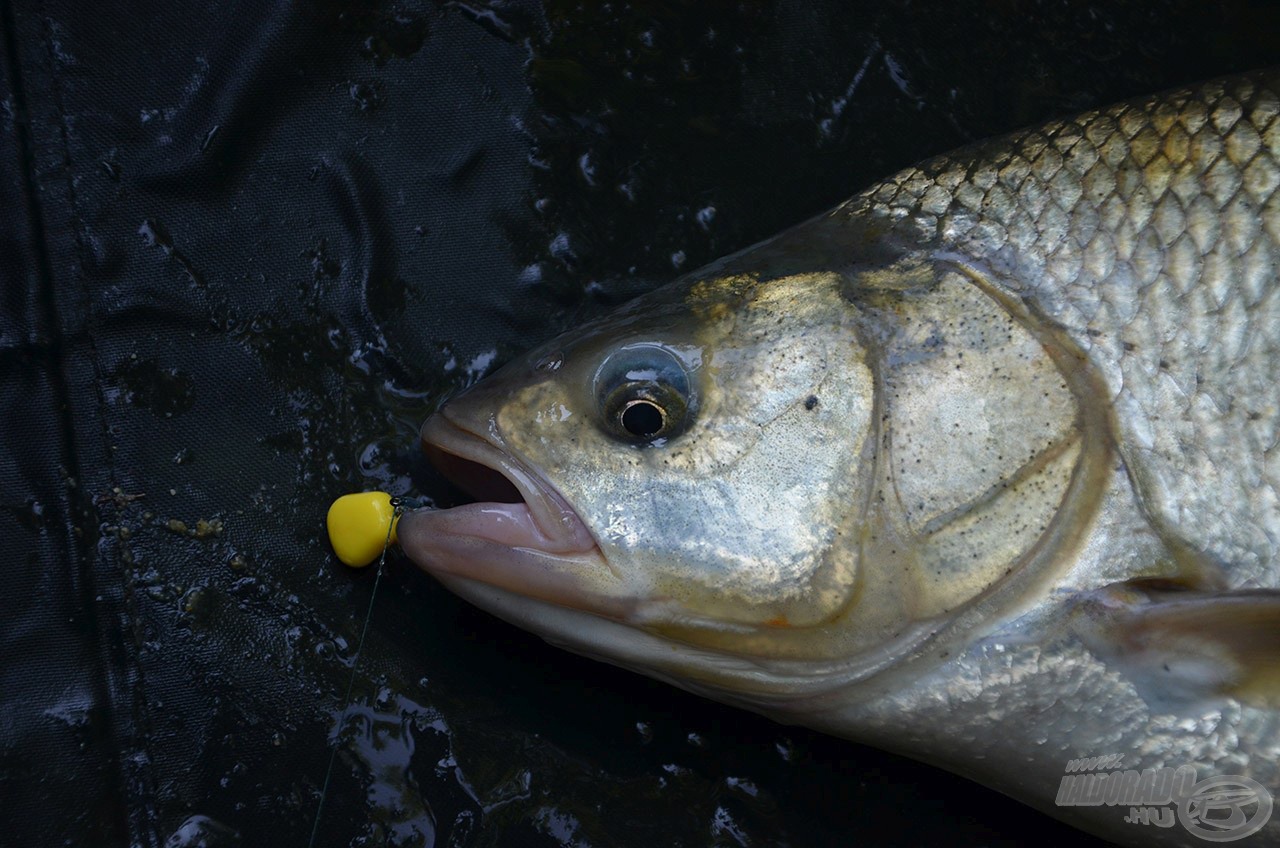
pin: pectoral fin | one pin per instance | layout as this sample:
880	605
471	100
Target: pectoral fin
1181	646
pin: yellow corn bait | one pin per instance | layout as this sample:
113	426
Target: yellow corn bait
358	527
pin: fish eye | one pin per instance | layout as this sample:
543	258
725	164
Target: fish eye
643	412
644	394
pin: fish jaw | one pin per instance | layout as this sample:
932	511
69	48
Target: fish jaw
531	541
540	518
776	690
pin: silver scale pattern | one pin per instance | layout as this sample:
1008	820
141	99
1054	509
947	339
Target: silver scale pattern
1150	230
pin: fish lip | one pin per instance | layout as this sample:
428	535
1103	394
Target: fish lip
540	549
563	531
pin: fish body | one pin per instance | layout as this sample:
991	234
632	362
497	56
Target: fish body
979	467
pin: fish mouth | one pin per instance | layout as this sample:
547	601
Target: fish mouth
520	535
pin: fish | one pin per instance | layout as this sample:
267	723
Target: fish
979	467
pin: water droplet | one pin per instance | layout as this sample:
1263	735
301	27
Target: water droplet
551	362
530	275
559	246
366	96
705	216
587	167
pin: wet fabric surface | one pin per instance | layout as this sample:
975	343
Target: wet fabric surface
247	247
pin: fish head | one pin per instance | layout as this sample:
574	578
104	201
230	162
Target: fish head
695	488
685	474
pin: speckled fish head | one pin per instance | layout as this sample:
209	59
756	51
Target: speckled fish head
715	460
756	470
706	439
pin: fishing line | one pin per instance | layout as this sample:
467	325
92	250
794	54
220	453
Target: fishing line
398	507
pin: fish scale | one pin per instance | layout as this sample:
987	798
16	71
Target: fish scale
1160	217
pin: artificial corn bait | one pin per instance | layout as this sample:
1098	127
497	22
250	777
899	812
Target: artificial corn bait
358	527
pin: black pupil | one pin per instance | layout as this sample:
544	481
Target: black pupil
642	418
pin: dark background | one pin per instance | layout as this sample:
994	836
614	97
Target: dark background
247	247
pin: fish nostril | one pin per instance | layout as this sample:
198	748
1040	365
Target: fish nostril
479	481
